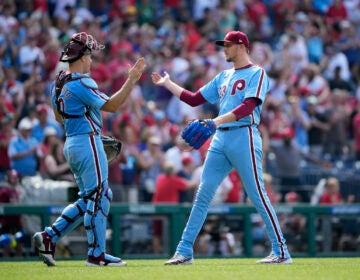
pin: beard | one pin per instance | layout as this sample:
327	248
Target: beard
229	59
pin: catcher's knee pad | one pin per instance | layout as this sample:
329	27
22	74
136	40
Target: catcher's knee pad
97	209
70	218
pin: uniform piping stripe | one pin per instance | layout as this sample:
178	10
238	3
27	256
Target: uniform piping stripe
262	195
97	93
91	122
96	159
260	83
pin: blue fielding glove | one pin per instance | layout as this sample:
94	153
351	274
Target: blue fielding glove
197	132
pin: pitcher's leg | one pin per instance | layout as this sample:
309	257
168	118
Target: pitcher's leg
216	167
249	167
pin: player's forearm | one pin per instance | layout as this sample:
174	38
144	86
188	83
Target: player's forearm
119	97
174	88
228	117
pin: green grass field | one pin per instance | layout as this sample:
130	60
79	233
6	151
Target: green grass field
207	269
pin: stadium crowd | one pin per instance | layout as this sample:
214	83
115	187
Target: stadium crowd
310	50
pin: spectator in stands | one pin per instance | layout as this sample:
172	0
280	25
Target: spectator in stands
14	91
24	150
7	132
349	42
175	153
168	187
335	58
31	58
186	172
56	166
101	73
314	37
319	125
336	139
356	130
12	237
294	224
151	163
236	193
274	196
337	82
301	122
38	132
174	134
311	82
161	126
344	230
336	12
332	194
288	157
278	124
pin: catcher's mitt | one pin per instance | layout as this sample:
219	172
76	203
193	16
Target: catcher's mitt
112	147
197	132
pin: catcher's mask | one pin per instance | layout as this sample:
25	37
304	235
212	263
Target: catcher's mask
80	44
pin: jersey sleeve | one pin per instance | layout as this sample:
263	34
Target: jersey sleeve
210	91
91	95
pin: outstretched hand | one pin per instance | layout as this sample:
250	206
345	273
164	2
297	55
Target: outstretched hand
158	79
137	69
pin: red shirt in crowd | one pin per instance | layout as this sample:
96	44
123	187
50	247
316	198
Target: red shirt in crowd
167	188
10	223
328	198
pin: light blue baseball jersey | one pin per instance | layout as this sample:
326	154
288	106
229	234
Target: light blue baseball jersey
84	153
76	98
230	88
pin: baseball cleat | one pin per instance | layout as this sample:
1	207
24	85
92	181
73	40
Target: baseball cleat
104	260
46	248
273	259
178	259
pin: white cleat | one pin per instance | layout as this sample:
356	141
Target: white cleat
46	248
178	259
273	259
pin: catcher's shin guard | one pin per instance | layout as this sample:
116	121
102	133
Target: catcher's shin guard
69	219
95	220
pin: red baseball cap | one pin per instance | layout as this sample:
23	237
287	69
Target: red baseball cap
235	37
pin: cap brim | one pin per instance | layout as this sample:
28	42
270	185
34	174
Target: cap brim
220	42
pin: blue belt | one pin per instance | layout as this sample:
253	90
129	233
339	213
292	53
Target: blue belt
227	128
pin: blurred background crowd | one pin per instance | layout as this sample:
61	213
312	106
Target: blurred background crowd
311	117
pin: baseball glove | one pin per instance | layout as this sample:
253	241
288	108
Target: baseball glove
112	147
198	131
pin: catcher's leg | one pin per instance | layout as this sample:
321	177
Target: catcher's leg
95	219
70	218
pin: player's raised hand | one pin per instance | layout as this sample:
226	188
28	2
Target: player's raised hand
137	69
158	79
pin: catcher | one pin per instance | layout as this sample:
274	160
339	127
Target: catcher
77	104
240	93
